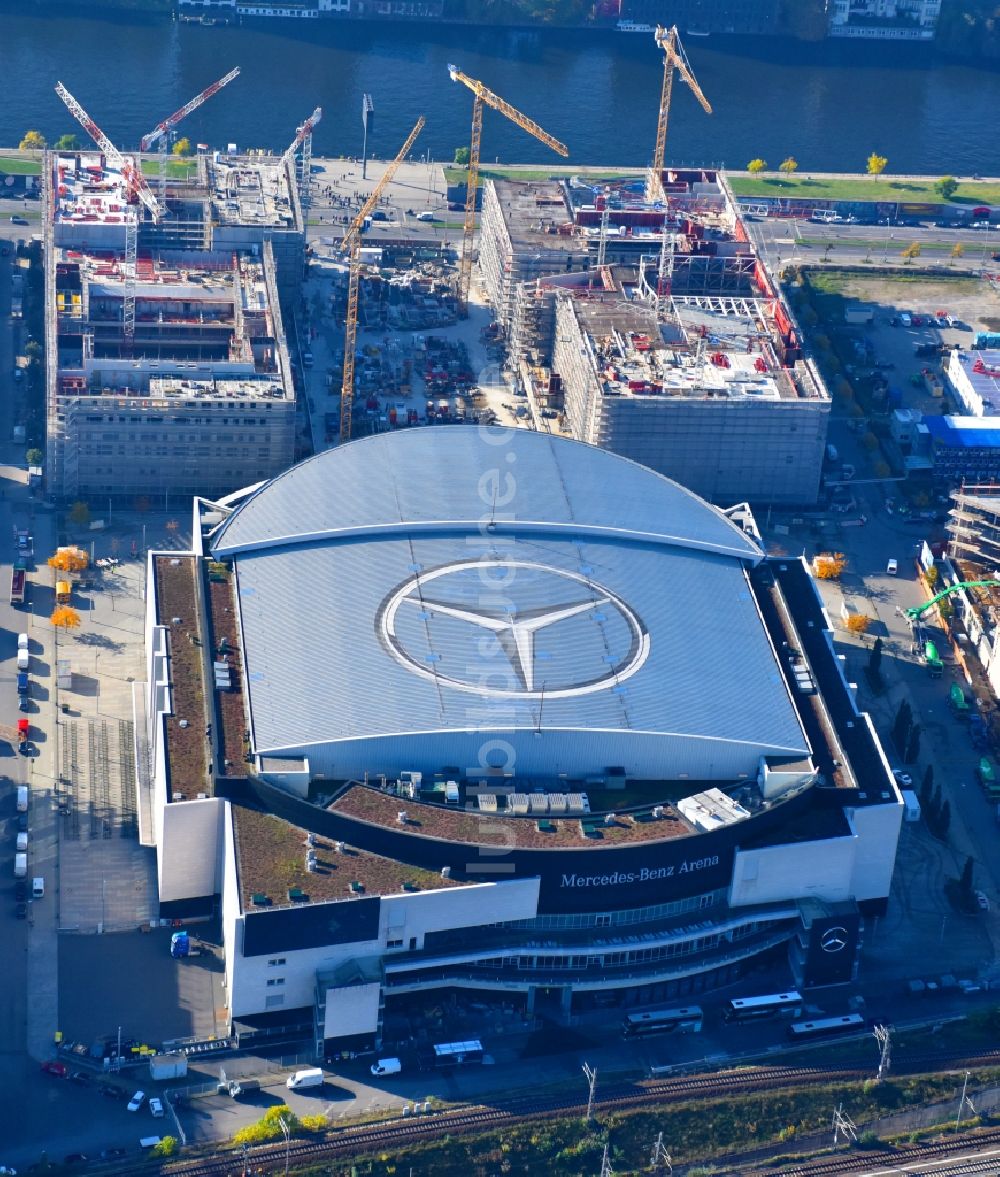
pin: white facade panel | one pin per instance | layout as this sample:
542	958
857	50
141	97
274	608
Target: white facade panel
188	851
877	828
406	916
818	870
352	1009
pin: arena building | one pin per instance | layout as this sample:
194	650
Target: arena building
500	715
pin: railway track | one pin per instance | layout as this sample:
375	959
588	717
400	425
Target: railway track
392	1135
913	1159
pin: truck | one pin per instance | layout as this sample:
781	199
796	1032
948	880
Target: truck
64	592
959	703
23	727
172	1065
911	805
17	579
25	544
180	945
304	1079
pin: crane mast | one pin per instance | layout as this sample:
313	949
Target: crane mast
351	242
483	95
674	58
136	186
303	139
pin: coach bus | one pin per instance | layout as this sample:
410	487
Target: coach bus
686	1020
772	1005
822	1026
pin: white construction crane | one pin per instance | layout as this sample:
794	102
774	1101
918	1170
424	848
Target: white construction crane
136	187
303	137
161	132
168	124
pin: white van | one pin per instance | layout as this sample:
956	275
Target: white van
22	798
20	866
22	842
22	641
905	318
23	659
38	887
387	1066
892	567
310	1077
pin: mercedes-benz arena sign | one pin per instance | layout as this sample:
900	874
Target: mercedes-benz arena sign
518	630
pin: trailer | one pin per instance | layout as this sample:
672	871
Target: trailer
168	1066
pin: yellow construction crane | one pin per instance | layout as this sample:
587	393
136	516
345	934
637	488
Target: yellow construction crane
352	242
482	94
674	57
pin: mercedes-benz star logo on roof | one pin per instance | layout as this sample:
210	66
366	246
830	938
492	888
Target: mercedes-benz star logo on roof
578	659
833	939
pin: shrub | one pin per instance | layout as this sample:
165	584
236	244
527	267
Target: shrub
166	1148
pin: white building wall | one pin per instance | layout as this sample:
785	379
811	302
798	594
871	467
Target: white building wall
877	828
413	916
189	858
402	917
232	925
577	753
818	870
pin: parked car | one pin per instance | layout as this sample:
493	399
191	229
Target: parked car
155	1106
902	778
51	1067
137	1100
982	901
80	1077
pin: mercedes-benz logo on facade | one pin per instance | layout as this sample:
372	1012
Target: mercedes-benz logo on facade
531	632
833	939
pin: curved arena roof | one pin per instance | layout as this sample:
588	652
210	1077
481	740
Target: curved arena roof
413	598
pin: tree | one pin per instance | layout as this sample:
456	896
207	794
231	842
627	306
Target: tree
935	805
829	565
268	1126
944	820
70	559
67	143
789	165
875	659
911	251
912	745
876	164
901	725
756	165
931	576
462	157
34	456
858	623
182	147
166	1148
79	514
957	250
869	442
965	882
64	617
32	141
946	187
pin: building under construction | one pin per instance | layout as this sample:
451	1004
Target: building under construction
165	369
201	392
651	329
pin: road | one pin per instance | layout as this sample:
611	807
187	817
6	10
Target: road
782	241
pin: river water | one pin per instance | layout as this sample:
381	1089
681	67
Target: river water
829	105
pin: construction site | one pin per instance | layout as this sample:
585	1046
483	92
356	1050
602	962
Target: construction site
629	312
